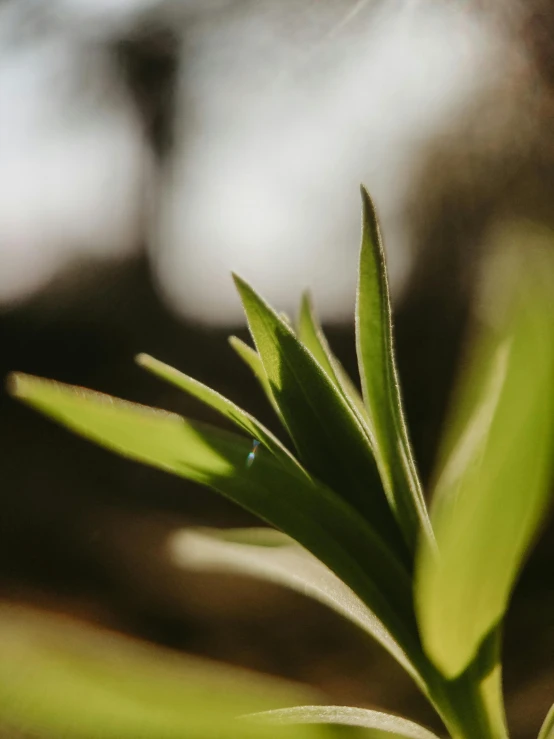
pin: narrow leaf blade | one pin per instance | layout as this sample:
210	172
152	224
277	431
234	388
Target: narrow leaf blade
311	335
251	358
380	385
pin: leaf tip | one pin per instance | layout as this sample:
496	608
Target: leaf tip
151	364
245	291
17	384
143	360
369	212
306	302
240	283
238	345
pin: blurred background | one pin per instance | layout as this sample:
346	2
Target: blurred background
147	148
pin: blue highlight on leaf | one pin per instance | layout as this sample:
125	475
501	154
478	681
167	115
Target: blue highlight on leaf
252	455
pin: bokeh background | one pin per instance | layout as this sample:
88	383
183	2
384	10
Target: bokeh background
148	147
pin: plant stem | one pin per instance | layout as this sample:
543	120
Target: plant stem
468	711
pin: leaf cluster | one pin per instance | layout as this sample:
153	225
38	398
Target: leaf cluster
351	525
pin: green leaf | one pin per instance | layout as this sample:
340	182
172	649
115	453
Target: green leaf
272	556
494	489
271	488
218	402
380	384
58	678
311	335
476	405
330	439
378	724
251	357
547	728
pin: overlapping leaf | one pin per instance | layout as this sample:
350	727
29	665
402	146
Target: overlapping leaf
222	405
328	435
271	488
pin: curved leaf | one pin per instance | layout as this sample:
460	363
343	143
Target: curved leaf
495	487
379	377
270	555
379	724
58	678
303	508
329	438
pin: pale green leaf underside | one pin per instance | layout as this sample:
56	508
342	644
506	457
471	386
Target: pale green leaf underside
493	492
378	724
381	392
303	508
61	679
271	556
